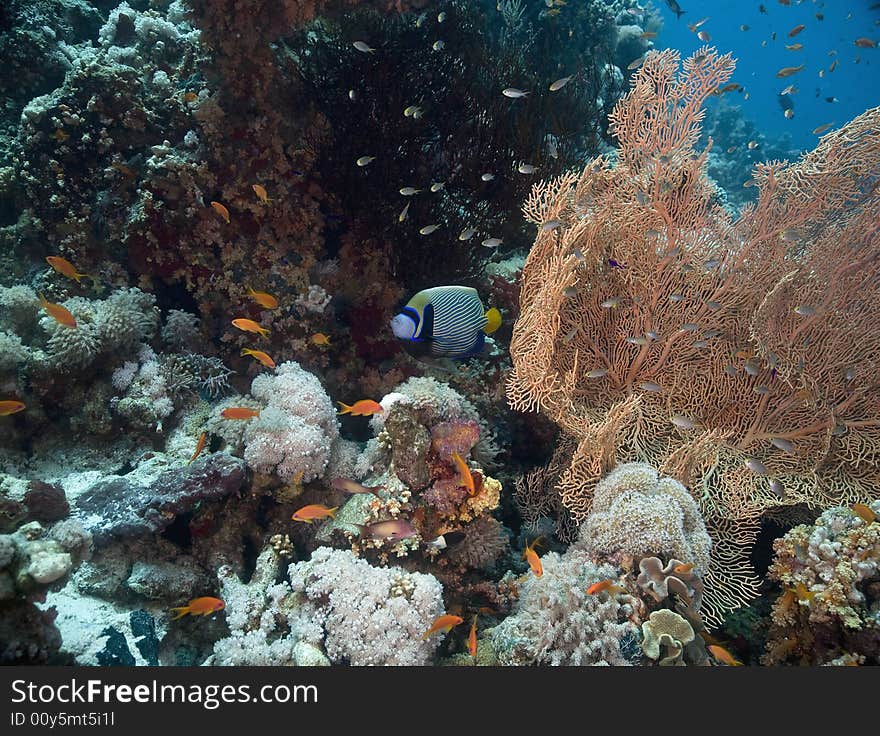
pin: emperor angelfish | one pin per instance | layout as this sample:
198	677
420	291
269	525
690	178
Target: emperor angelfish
449	319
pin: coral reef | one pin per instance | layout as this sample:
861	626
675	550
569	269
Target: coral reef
830	607
556	622
335	607
637	513
31	563
209	205
654	327
424	423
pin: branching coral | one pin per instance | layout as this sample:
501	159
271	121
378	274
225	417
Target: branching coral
737	356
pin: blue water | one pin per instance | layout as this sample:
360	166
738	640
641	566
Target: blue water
855	82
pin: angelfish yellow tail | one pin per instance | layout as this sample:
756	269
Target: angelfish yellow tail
493	321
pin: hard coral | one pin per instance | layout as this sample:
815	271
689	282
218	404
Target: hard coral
667	633
830	603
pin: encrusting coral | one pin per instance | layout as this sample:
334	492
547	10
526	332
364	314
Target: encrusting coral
737	356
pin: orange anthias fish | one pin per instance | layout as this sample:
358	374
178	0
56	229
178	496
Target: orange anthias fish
722	655
259	355
607	586
265	300
472	639
199	607
532	557
65	267
787	71
683	568
797	29
464	474
248	325
319	338
314	512
221	210
864	512
58	313
362	408
393	529
200	445
10	407
865	43
239	412
261	193
443	623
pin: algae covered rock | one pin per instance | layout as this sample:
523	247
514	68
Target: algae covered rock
116	506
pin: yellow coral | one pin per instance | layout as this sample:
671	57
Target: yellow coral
486	500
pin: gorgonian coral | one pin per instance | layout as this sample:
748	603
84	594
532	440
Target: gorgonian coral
738	356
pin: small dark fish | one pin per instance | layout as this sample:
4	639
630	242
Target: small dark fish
675	8
615	264
778	489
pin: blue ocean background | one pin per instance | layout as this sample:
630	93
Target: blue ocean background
855	83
